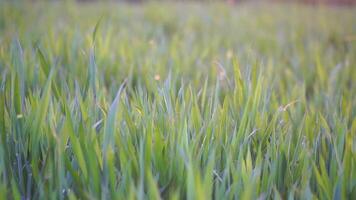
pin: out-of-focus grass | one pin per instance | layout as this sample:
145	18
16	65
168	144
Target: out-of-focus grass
177	101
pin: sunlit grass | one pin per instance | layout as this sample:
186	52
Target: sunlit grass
177	101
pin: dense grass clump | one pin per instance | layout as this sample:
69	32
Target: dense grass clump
177	101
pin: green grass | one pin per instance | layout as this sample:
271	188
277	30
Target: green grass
177	101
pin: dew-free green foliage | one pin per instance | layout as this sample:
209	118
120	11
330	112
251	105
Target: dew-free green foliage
177	101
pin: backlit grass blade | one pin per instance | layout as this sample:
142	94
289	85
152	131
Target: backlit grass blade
108	136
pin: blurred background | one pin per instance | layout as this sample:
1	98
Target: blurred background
313	2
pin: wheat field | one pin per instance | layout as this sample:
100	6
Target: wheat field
177	101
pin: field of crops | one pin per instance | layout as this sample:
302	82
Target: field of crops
177	101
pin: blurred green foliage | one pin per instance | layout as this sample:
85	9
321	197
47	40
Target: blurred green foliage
177	101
